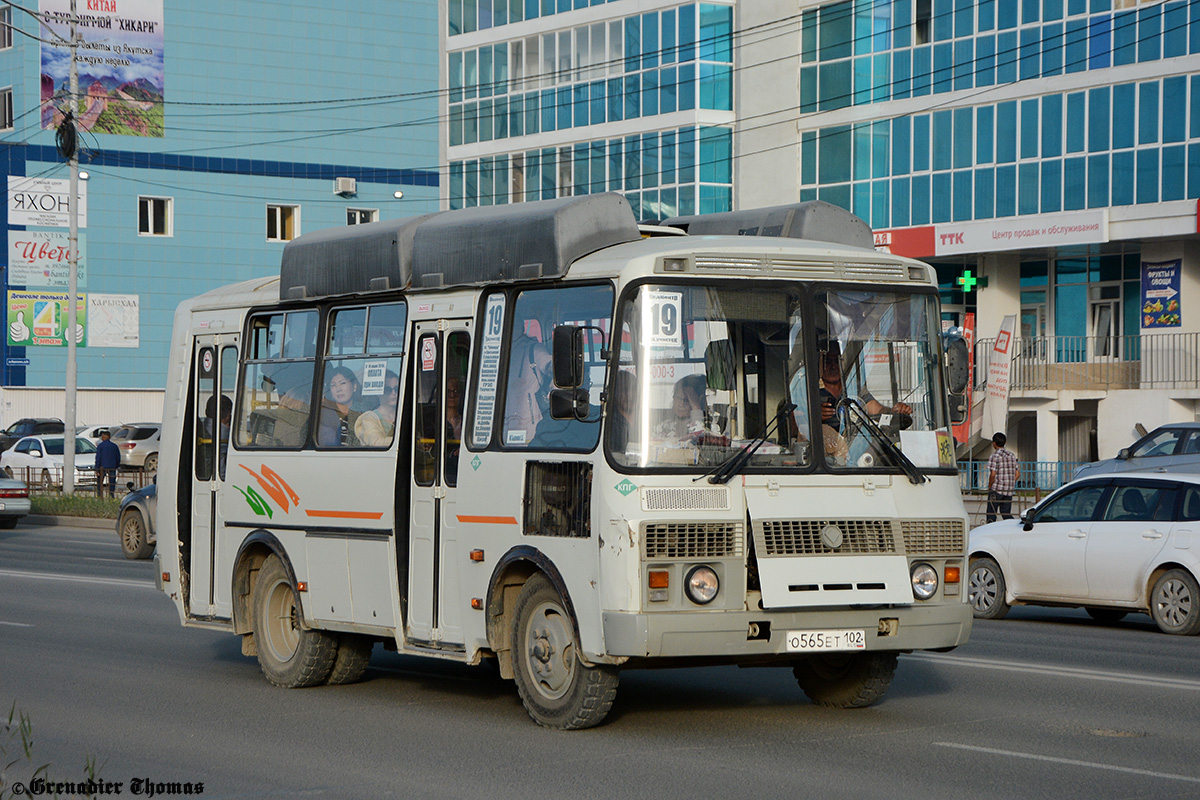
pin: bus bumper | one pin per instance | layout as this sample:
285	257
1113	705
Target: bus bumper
733	634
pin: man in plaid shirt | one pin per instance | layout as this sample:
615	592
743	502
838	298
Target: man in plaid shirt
1002	482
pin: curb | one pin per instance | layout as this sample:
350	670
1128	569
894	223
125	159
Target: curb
99	523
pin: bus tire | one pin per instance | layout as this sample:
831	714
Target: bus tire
353	655
133	536
289	655
559	691
846	680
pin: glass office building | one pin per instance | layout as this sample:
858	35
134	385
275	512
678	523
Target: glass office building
1051	147
553	98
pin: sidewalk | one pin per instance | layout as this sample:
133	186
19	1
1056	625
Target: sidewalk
99	523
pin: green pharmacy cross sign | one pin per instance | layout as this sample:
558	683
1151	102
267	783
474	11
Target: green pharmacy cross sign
968	282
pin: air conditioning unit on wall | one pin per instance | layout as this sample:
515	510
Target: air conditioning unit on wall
345	186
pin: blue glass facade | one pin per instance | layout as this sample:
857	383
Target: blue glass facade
968	157
574	80
247	124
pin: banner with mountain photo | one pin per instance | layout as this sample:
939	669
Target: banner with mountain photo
120	63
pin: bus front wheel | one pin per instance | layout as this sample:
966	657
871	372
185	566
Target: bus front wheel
558	689
846	680
289	655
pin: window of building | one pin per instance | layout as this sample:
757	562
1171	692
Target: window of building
358	216
155	216
283	223
6	36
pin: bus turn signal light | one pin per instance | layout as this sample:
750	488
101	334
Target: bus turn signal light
477	555
952	574
659	579
477	603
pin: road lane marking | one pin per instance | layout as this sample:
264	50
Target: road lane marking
16	624
1157	682
1091	764
52	576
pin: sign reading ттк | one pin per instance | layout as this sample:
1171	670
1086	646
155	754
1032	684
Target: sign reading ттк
1161	302
43	201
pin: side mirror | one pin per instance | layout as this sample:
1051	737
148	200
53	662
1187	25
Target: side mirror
35	453
1026	521
1123	454
567	357
569	403
958	376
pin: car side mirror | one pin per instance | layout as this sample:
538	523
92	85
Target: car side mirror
35	453
1123	454
569	403
1027	521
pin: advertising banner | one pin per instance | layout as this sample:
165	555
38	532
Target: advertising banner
40	319
40	259
1160	294
120	65
43	201
995	404
112	320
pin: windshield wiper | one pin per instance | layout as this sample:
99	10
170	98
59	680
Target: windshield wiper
915	476
734	464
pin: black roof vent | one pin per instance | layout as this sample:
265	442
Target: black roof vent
815	220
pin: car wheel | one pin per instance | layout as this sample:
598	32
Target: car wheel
1175	603
133	536
8	522
151	464
986	589
1106	614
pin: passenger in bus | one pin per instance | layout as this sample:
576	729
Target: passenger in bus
689	410
529	380
454	425
217	422
338	416
375	428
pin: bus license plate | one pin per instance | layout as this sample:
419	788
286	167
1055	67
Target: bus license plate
826	641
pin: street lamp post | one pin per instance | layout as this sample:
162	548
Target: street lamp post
73	273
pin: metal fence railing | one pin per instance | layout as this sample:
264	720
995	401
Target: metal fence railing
1038	478
1161	361
49	480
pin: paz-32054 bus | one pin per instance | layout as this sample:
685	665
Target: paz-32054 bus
532	434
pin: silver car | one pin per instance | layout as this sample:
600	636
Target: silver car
139	444
14	501
1171	448
135	521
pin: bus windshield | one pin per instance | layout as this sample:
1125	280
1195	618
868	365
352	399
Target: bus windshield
704	371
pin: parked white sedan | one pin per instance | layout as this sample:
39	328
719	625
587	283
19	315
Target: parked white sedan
39	460
1111	544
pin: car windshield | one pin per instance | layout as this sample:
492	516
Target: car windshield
54	447
706	370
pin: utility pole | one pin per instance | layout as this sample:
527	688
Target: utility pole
73	273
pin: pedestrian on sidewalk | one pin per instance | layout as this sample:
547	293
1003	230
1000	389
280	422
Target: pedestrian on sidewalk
1002	479
108	459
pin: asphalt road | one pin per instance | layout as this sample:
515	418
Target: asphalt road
1044	704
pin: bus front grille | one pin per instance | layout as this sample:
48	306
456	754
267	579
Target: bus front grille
692	540
926	537
802	537
685	499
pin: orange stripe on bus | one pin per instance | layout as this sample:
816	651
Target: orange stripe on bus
488	520
345	514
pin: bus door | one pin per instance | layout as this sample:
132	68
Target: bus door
215	370
439	354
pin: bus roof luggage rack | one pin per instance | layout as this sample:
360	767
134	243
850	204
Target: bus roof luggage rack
815	219
350	258
518	241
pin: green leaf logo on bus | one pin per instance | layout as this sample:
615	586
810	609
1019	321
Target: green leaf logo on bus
626	487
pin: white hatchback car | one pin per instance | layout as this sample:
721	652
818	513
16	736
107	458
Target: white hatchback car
1111	544
39	460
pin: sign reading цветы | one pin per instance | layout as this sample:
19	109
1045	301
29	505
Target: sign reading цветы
43	202
41	259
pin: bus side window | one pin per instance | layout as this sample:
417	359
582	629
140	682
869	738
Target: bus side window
276	390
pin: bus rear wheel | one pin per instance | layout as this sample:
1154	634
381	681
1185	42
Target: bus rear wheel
289	655
846	680
558	689
353	655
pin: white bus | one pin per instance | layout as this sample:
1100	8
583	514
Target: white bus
530	434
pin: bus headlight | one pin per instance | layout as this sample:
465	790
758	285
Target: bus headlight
924	581
701	585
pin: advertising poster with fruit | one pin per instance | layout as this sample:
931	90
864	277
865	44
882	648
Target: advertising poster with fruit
1161	304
